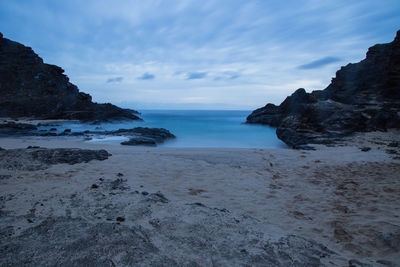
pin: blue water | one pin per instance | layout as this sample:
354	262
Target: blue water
196	128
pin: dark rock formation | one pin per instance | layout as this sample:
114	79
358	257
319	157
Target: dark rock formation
136	141
138	135
362	97
67	155
35	158
12	128
144	136
158	134
31	88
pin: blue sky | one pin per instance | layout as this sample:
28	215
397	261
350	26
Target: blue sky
222	54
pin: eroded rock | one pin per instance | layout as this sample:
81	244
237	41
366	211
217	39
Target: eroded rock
31	88
362	97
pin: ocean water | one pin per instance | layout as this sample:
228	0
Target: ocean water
195	128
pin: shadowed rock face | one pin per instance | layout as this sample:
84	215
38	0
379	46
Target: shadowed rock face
362	97
31	88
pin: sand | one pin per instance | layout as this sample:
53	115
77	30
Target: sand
341	201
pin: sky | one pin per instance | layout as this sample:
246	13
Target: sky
191	54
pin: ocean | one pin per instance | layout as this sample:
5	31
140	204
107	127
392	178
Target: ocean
194	128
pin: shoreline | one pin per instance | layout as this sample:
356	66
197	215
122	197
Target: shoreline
190	130
340	197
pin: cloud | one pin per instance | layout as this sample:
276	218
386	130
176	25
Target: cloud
146	76
196	75
234	76
319	63
226	76
176	73
115	80
249	47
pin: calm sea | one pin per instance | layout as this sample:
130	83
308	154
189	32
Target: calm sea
196	128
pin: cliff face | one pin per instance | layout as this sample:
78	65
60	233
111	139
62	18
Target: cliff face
362	97
31	88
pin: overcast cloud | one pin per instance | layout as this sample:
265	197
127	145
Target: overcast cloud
204	54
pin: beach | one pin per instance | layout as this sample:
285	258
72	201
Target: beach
160	133
199	206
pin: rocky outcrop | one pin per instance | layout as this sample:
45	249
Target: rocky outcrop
137	135
12	128
139	141
31	88
145	136
36	158
362	97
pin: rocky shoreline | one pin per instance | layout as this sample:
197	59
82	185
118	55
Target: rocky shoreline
137	136
72	205
363	97
31	89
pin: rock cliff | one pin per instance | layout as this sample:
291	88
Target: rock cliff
362	97
31	88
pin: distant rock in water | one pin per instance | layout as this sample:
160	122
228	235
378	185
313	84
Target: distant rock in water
363	97
31	88
145	136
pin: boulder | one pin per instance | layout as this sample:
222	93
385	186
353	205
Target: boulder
139	140
144	136
158	134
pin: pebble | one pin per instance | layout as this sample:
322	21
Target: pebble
120	219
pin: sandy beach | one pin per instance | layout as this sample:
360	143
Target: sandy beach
341	198
192	133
